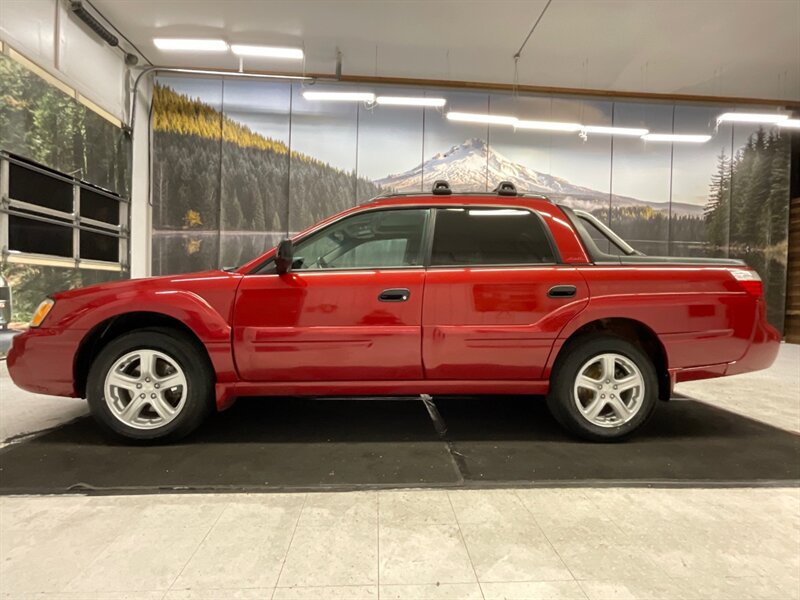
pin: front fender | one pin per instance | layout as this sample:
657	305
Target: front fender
185	306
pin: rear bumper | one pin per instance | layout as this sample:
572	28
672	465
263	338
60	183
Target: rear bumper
762	351
41	361
760	354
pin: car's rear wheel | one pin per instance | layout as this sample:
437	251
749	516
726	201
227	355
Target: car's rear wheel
603	388
151	384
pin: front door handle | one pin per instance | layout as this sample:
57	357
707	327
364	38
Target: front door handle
394	295
562	291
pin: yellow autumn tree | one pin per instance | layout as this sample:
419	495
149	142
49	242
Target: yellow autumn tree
192	218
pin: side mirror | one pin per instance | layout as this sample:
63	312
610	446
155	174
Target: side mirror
284	257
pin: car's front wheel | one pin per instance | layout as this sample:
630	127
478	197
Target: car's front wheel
151	384
603	388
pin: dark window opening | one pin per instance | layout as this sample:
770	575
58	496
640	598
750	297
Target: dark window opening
99	207
489	236
39	237
39	189
99	246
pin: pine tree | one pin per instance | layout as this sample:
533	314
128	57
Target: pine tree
717	209
778	199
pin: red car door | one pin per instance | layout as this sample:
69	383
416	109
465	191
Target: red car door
495	295
350	309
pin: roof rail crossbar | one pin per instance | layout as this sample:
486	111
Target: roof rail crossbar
441	188
505	188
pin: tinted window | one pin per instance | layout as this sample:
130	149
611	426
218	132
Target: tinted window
386	238
601	240
489	237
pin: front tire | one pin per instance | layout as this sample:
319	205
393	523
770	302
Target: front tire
603	388
151	384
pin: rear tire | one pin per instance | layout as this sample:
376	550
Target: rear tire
151	384
603	388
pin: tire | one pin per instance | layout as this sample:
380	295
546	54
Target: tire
592	407
169	405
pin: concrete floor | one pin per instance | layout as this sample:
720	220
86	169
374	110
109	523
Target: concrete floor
513	543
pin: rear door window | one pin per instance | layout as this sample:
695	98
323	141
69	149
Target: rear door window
489	236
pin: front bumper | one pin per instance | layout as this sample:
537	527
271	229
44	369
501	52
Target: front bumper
42	361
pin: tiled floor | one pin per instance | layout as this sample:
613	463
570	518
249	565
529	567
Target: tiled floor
607	543
533	543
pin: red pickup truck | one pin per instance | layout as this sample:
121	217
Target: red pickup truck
437	293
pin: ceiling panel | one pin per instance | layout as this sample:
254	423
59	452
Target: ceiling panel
713	47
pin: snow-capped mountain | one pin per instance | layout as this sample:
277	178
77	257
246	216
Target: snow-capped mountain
465	166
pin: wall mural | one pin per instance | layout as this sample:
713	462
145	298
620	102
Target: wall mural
240	164
40	122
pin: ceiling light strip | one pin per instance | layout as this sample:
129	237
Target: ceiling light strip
339	96
482	118
632	131
737	117
267	51
548	125
689	138
191	44
410	101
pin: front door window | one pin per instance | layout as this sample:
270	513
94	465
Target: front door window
373	240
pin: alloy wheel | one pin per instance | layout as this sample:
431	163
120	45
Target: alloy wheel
145	389
609	390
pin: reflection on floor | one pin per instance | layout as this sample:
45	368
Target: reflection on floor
589	542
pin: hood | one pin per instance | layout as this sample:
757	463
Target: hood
185	281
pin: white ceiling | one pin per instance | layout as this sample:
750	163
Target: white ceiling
747	48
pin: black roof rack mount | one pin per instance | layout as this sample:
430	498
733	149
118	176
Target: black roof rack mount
441	188
505	188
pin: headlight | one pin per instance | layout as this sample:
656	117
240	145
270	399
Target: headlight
41	312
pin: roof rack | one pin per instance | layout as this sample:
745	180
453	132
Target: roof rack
505	188
441	188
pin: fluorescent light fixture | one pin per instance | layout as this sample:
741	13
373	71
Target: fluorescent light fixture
676	137
410	101
482	118
340	96
548	125
193	45
790	123
267	51
616	130
752	117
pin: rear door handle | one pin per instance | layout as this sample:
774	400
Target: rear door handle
562	291
394	295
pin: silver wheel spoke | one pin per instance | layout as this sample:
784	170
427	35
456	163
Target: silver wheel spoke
147	363
587	382
131	412
595	407
609	364
628	383
121	380
164	409
618	406
171	381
